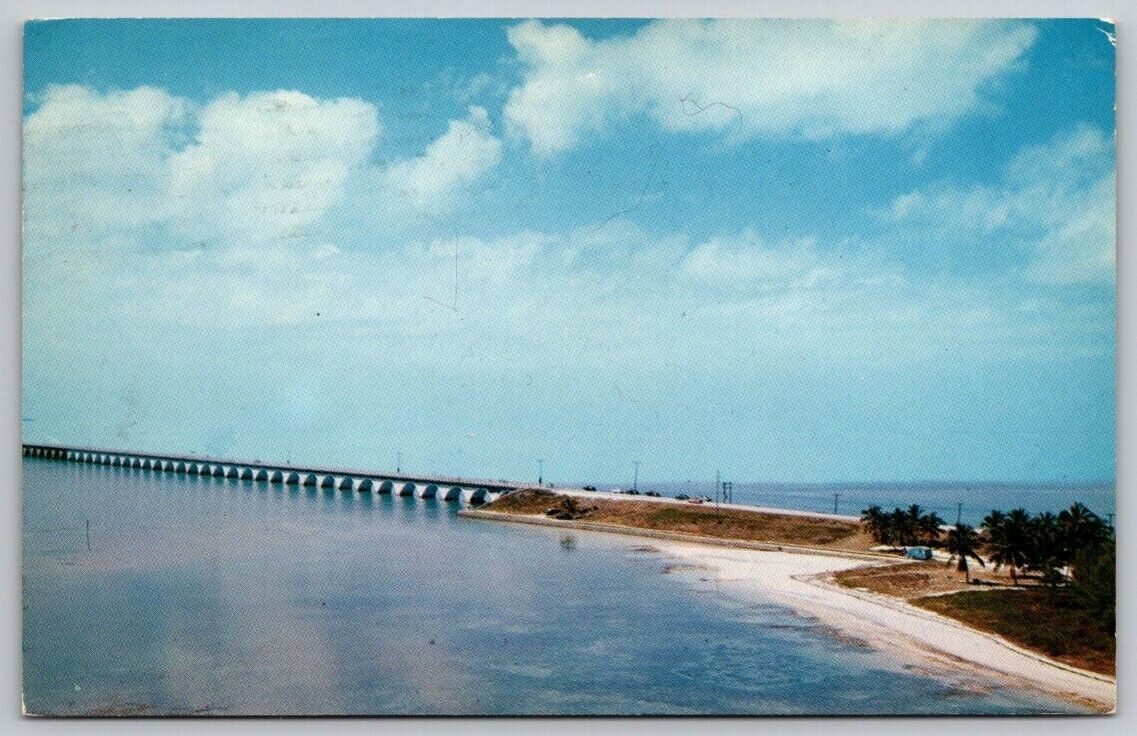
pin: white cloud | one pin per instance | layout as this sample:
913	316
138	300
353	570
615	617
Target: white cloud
817	79
461	156
1057	200
94	163
267	165
1081	247
749	260
126	169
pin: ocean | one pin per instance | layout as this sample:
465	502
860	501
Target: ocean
148	593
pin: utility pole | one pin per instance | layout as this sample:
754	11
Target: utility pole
836	498
541	471
718	488
398	462
636	477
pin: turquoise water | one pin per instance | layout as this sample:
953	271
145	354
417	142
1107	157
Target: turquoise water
220	597
977	499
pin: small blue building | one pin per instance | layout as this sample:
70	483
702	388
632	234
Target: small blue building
919	553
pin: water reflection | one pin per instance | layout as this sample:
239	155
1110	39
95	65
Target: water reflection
204	594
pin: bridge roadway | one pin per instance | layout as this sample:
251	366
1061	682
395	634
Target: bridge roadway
469	490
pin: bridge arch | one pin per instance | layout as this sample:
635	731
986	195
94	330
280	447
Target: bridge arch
451	493
346	483
276	476
427	490
260	474
475	496
387	486
245	474
309	479
292	478
365	485
327	481
406	489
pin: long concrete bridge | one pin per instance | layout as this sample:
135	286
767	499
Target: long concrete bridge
470	491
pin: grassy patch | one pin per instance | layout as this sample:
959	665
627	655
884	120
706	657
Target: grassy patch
1050	622
752	526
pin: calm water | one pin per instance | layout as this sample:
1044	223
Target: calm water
201	595
977	498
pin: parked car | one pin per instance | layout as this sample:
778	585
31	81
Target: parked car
653	494
590	488
705	499
682	497
694	500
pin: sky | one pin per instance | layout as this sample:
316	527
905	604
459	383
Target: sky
793	251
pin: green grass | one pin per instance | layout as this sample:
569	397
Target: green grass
1050	622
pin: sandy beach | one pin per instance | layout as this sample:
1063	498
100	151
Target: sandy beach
800	581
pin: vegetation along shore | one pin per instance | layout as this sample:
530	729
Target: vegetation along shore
1042	584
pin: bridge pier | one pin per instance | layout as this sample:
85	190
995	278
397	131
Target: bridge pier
475	496
257	473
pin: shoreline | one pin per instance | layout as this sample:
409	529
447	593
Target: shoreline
800	578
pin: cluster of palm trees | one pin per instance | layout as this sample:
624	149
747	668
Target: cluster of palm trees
903	527
1047	544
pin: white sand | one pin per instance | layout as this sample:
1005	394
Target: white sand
799	581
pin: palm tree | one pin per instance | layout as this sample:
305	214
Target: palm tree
1080	528
993	519
1008	540
963	542
929	527
877	522
902	527
1046	546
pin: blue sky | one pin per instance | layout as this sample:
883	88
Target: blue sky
786	250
